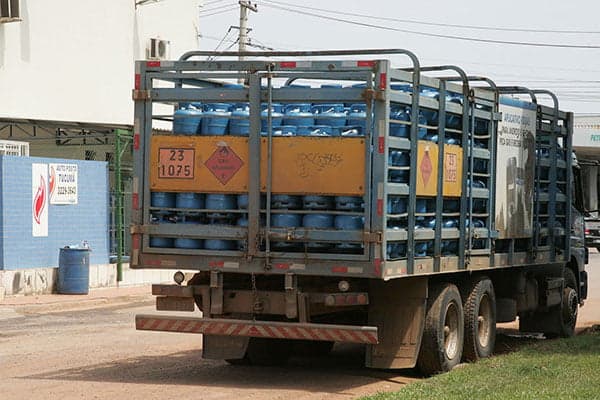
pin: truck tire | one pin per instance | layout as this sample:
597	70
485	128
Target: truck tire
570	305
268	352
560	320
480	319
443	332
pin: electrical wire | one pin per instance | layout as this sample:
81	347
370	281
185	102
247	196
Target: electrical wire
202	11
418	22
208	3
428	34
234	8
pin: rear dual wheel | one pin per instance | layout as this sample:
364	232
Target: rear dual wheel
443	332
479	302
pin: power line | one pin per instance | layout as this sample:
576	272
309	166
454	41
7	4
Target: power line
454	37
215	8
234	8
419	22
214	2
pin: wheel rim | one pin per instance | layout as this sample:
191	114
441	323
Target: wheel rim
451	331
484	321
570	306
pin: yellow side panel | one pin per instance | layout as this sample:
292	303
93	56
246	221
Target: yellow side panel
317	165
427	168
219	164
453	159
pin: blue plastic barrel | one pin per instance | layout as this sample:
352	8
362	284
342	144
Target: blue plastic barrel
73	271
189	200
187	121
215	119
218	244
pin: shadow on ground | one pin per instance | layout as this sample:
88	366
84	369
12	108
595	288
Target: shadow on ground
338	372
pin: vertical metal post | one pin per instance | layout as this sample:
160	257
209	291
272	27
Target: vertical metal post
119	208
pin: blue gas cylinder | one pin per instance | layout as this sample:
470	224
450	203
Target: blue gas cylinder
449	247
188	243
454	121
396	205
221	201
298	114
276	116
347	131
189	200
218	244
329	114
399	159
242	244
286	201
286	220
422	248
395	250
239	124
318	221
242	201
316	202
431	116
187	121
349	222
285	130
215	119
321	130
349	203
400	113
162	199
357	116
451	205
450	223
421	206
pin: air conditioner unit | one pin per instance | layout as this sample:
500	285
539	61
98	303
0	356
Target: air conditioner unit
158	49
14	148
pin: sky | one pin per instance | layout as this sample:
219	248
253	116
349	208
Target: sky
556	26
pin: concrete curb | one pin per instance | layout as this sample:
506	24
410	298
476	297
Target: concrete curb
83	304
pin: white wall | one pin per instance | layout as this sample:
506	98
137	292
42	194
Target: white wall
72	60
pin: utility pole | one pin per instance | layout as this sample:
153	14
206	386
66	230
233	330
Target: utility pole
243	35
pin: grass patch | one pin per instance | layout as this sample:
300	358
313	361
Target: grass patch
548	369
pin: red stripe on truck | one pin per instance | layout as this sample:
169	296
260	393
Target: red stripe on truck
264	329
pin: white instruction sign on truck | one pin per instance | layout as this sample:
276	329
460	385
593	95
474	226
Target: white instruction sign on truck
515	169
63	183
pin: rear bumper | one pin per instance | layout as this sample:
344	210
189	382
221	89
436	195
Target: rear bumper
260	329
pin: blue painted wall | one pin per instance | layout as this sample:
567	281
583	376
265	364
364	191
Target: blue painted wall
67	224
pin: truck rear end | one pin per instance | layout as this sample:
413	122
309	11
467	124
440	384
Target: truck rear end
341	200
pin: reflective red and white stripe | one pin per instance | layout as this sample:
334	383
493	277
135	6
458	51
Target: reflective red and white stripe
262	329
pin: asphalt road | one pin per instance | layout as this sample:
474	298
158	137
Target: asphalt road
97	354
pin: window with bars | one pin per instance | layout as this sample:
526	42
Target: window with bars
9	11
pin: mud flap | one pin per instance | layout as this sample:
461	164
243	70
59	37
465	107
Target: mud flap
217	347
398	310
